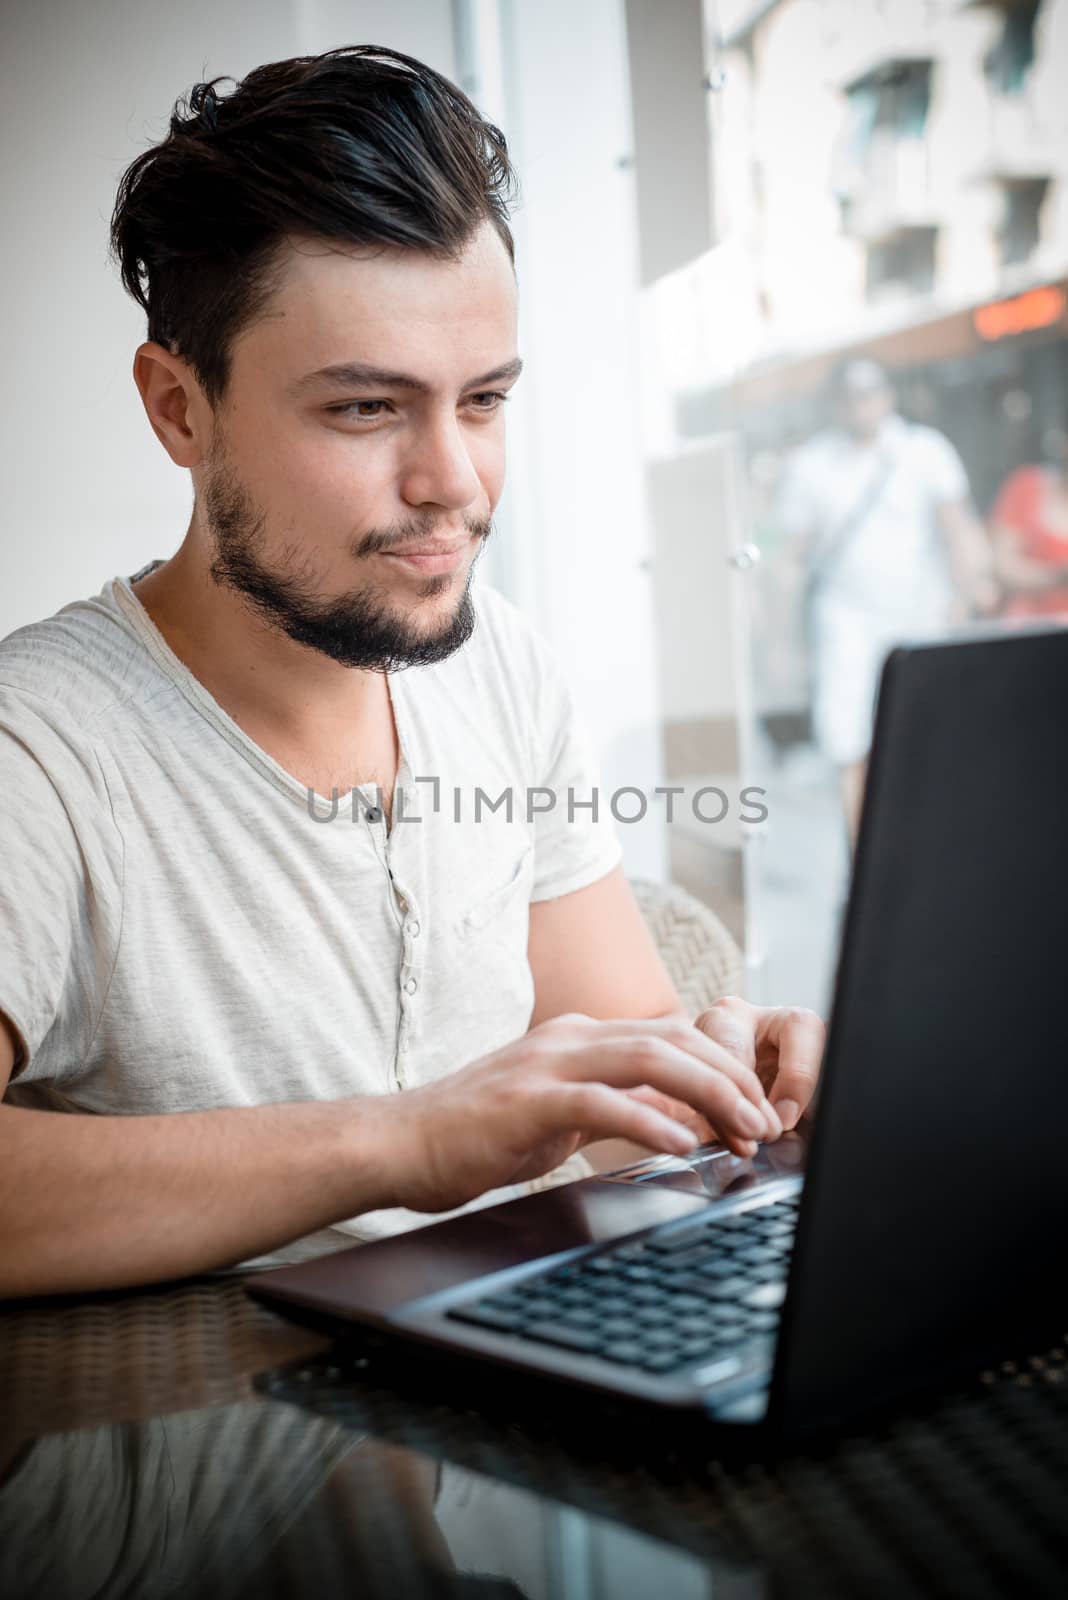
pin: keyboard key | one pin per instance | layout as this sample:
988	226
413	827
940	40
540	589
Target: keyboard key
717	1267
488	1317
540	1307
654	1316
728	1288
627	1352
702	1349
766	1296
661	1361
681	1238
577	1318
755	1255
582	1339
680	1303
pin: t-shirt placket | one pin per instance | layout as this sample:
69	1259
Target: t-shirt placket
409	917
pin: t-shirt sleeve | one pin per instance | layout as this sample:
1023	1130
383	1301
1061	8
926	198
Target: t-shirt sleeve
947	480
575	843
60	882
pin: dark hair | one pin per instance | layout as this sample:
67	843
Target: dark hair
361	144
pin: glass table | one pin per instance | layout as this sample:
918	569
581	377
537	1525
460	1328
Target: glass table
183	1440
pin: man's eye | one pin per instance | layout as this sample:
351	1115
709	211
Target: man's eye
491	399
352	408
485	402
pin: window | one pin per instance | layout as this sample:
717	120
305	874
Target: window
1008	62
905	260
1018	232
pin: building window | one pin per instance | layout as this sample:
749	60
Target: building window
1008	62
893	101
904	260
1020	227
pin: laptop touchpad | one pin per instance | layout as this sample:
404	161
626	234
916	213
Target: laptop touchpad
715	1171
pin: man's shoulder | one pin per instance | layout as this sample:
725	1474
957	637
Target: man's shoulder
504	634
75	666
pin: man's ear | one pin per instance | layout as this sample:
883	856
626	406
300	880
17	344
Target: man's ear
174	403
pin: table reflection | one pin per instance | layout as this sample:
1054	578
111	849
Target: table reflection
264	1498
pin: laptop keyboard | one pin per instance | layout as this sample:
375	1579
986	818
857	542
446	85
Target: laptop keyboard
660	1303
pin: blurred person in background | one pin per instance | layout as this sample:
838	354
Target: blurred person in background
879	509
1029	528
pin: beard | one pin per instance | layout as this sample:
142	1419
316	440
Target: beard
358	628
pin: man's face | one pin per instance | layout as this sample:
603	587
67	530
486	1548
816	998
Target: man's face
862	409
349	510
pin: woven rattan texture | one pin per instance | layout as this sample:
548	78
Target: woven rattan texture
67	1363
701	956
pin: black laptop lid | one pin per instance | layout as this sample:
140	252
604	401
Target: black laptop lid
932	1234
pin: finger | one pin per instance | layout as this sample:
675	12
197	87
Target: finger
686	1036
626	1063
604	1113
677	1109
800	1037
731	1022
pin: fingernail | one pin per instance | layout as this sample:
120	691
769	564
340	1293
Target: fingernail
771	1117
789	1111
749	1119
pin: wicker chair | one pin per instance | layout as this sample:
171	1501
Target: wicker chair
702	959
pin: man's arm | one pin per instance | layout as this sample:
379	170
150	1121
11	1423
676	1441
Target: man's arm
95	1201
971	557
102	1202
591	951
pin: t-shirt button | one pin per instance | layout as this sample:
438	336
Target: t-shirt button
413	928
412	985
372	814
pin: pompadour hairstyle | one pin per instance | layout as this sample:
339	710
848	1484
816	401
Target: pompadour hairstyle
361	145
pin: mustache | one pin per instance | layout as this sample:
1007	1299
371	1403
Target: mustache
417	533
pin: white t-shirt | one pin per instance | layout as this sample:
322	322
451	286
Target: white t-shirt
894	561
178	931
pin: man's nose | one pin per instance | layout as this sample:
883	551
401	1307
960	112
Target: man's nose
439	469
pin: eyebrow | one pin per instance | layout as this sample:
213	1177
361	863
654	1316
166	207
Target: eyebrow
359	375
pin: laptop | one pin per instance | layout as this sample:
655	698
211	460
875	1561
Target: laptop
913	1233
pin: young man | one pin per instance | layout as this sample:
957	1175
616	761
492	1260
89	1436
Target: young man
253	916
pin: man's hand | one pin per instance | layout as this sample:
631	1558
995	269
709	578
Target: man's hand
783	1047
526	1108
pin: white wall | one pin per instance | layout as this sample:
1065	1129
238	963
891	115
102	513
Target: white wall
90	492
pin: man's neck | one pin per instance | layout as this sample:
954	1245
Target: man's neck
255	672
330	727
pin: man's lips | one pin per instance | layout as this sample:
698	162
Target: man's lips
432	557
